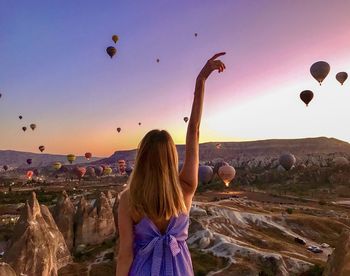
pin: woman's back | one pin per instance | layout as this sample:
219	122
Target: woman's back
157	253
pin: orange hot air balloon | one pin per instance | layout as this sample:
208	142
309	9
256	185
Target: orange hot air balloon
186	119
88	155
30	174
306	96
319	70
42	148
119	129
227	174
341	77
115	38
111	51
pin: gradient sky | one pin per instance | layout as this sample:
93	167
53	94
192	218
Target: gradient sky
54	71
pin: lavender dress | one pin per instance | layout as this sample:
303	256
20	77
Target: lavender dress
157	254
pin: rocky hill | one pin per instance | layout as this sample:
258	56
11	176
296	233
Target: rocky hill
253	149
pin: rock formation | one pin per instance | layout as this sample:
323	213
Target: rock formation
115	214
63	214
6	270
339	262
37	246
95	224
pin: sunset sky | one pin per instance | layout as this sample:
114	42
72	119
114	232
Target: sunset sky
54	71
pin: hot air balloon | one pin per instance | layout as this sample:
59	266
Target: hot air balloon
24	128
287	161
107	171
119	129
98	170
121	166
186	119
79	172
139	123
41	148
340	161
218	146
90	171
33	126
20	117
227	174
29	174
218	165
195	34
111	51
341	77
88	155
205	174
306	96
57	165
71	158
319	70
5	167
0	95
115	38
158	60
29	161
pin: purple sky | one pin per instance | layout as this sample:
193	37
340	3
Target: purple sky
54	70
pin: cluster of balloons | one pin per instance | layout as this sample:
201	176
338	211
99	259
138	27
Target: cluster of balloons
111	51
225	172
320	70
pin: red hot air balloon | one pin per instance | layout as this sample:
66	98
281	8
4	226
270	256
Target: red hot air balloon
218	146
306	96
88	155
79	172
341	77
41	148
30	174
111	51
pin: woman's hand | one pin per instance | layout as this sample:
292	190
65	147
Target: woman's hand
212	65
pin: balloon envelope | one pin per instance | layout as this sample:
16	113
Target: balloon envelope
88	155
71	158
33	126
107	171
79	172
227	174
306	96
287	161
24	128
98	170
319	70
115	38
29	161
341	77
205	174
5	167
90	171
111	51
42	148
57	165
20	117
186	119
29	174
218	165
119	129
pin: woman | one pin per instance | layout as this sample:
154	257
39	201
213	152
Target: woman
153	215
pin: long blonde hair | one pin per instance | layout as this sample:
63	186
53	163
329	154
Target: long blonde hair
154	187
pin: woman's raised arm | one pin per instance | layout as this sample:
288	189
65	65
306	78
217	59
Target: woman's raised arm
189	171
